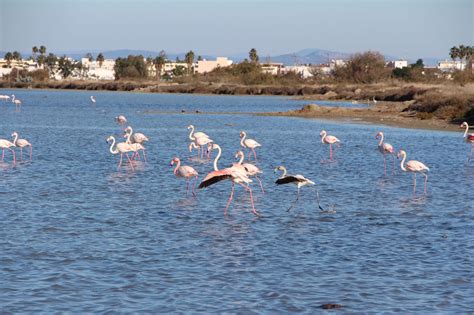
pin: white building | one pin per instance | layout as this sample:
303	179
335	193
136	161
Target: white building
451	65
399	64
336	63
97	71
273	68
204	66
303	71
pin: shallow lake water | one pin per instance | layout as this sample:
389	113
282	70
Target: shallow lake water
79	235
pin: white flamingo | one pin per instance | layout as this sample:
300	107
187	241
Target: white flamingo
414	167
4	97
121	120
469	138
5	144
123	148
251	169
385	148
326	139
298	180
92	98
249	143
136	137
16	101
21	143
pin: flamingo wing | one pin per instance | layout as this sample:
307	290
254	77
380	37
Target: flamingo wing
187	171
251	169
332	139
387	147
250	143
287	179
470	137
417	166
214	177
200	135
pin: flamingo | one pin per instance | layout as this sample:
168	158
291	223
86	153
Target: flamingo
21	143
469	138
17	102
414	167
92	99
251	169
133	138
5	144
249	143
201	143
234	173
4	97
385	148
298	180
121	120
197	134
374	100
326	139
187	172
123	148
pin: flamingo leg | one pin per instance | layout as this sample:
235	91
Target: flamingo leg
230	199
254	154
384	165
470	155
120	163
330	151
14	155
260	182
130	161
250	153
194	186
414	182
144	156
393	167
426	180
247	188
3	154
187	186
31	152
21	154
296	200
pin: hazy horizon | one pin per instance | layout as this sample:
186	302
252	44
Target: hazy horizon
404	28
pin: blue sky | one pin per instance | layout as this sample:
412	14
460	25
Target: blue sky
403	28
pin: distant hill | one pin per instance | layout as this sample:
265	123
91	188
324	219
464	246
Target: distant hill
304	56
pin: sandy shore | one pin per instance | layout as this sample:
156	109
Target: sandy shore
385	113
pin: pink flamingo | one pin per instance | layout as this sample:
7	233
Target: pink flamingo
5	144
298	180
249	143
92	98
201	143
200	138
469	138
236	174
121	120
385	148
414	167
326	139
21	143
186	172
133	138
251	169
196	134
123	148
17	102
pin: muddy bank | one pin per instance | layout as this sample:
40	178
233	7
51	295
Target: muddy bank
395	114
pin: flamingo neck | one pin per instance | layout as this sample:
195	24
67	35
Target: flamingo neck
178	164
15	138
241	158
243	139
217	158
191	134
112	146
403	162
129	135
283	169
465	132
381	139
13	98
323	136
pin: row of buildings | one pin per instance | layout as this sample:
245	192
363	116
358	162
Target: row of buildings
104	70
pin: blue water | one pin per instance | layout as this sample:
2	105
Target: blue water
79	235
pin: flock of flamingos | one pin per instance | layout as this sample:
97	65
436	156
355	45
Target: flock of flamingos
239	173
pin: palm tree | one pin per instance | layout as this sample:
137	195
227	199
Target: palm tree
253	55
159	61
454	53
8	57
16	55
42	50
50	60
189	58
35	51
100	58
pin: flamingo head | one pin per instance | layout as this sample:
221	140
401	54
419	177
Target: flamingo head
279	168
174	160
242	134
128	129
109	139
401	153
214	146
190	127
378	135
14	134
238	154
463	125
322	133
